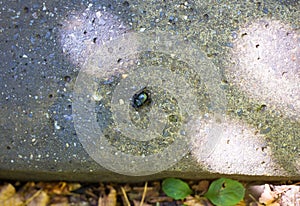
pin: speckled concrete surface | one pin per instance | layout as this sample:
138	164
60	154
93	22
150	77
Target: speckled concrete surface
45	43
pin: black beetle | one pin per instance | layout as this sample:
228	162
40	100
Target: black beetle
141	98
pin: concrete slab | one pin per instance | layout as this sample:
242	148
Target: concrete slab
244	133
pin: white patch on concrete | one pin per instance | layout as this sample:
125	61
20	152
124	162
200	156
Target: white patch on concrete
267	65
84	31
239	150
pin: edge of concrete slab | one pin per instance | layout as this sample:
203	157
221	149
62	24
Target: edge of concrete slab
100	176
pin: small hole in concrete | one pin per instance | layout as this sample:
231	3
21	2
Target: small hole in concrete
25	9
244	34
206	17
125	3
67	78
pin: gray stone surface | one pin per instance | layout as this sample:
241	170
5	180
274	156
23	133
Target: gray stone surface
44	45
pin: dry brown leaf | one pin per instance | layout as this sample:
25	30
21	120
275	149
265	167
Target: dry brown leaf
159	199
60	204
268	197
138	203
15	201
201	187
138	193
73	186
127	188
241	203
151	194
58	188
289	194
40	199
8	196
110	199
197	201
59	201
6	192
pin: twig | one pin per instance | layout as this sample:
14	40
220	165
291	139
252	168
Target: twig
125	196
144	194
253	198
37	193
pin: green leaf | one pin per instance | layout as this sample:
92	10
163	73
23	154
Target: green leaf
225	192
176	188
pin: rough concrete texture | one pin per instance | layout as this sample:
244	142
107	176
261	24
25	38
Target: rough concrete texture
45	43
267	52
240	150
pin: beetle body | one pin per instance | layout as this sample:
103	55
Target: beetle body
141	98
